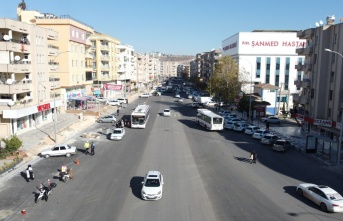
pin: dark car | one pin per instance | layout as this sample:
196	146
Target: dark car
282	145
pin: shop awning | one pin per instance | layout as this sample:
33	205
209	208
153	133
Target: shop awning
97	92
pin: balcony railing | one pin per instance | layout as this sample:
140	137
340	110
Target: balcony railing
16	87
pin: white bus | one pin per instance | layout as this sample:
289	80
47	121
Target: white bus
140	116
210	120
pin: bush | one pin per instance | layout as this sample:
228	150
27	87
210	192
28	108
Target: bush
13	144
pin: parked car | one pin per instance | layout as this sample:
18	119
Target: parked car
113	103
282	145
250	130
229	125
101	99
152	186
144	95
258	134
240	126
59	150
269	139
271	119
224	112
177	95
166	113
327	198
118	134
210	104
107	119
190	96
122	100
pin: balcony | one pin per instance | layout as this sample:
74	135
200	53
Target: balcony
53	50
55	82
105	57
54	66
105	47
52	35
305	34
306	83
16	88
14	46
17	67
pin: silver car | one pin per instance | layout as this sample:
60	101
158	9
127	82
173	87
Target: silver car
59	150
107	119
118	134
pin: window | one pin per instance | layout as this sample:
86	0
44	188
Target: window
73	33
277	71
258	67
330	95
287	73
268	70
332	75
329	112
316	38
335	38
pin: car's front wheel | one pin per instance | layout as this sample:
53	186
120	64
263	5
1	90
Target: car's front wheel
46	155
68	155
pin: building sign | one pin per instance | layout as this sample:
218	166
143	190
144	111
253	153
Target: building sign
233	45
43	107
113	87
323	123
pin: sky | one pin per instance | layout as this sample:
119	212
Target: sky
183	27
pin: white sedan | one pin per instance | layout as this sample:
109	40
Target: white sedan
166	113
258	134
271	119
59	150
152	186
327	198
118	134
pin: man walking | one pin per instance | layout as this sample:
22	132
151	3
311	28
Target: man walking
86	146
32	176
117	111
267	125
92	148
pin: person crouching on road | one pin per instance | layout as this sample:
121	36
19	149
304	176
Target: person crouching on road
86	146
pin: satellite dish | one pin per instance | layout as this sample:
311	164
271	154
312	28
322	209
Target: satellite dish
6	37
317	24
9	81
10	103
321	22
17	57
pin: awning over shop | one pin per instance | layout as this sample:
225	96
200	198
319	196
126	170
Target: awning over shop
97	92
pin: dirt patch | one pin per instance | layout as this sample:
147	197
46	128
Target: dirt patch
5	213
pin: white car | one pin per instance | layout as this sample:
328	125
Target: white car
118	134
210	104
59	150
327	198
101	99
258	134
240	126
144	95
190	96
152	188
122	100
229	125
166	113
250	130
113	103
177	95
269	139
271	119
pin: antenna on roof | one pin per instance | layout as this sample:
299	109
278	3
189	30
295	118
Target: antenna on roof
317	24
321	22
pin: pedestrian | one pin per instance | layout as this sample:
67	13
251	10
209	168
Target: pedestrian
267	125
122	124
254	156
251	157
27	175
92	148
117	111
32	176
86	146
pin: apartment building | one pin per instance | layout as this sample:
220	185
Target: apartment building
71	64
320	102
104	63
126	67
29	94
195	68
267	57
208	62
148	69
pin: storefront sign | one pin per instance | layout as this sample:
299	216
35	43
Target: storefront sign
324	123
113	87
230	46
43	107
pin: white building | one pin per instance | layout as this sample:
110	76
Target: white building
126	67
268	57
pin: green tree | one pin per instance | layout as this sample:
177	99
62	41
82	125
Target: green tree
243	104
12	144
225	81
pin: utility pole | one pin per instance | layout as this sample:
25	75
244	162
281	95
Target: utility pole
278	109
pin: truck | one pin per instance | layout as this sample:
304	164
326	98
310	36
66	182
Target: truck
203	99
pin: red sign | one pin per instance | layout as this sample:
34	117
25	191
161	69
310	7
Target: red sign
113	87
43	107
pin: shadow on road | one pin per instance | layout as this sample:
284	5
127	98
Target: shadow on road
136	186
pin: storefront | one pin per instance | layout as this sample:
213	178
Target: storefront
24	119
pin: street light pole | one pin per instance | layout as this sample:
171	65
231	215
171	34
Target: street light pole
341	129
55	109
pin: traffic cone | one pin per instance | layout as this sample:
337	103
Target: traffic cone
77	162
23	212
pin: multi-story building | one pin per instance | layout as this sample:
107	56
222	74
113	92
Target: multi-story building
195	68
104	61
320	102
29	94
208	62
267	57
126	67
70	63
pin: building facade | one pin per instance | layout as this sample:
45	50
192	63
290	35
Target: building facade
267	57
320	102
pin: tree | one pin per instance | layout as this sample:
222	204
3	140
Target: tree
12	144
225	81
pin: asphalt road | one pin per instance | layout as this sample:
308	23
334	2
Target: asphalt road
206	174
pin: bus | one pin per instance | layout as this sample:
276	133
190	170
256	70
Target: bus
140	116
210	120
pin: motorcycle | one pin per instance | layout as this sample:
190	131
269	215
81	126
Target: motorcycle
44	192
64	176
